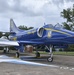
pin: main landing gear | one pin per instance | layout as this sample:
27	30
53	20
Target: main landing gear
6	50
50	58
17	54
37	54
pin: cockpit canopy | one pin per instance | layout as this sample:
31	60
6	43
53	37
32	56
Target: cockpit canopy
59	26
53	26
48	26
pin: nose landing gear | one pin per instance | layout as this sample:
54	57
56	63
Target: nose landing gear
17	55
50	58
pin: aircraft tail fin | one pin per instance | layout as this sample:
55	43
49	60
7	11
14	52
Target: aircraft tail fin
13	28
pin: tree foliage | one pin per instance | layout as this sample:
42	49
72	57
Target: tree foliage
68	14
24	27
4	34
0	34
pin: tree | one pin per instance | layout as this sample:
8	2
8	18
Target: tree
24	27
7	34
0	34
68	14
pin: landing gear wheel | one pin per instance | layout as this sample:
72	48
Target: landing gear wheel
50	59
4	51
17	54
7	51
37	54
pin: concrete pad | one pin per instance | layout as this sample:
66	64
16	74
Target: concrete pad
7	59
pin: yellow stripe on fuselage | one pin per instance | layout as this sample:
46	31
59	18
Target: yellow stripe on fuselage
58	31
31	32
15	38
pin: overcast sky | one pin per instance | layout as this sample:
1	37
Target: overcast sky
32	12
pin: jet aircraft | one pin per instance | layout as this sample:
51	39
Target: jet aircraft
47	35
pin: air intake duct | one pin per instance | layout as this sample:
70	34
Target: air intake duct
40	31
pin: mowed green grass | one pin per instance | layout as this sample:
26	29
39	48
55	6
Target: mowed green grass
43	52
64	53
59	53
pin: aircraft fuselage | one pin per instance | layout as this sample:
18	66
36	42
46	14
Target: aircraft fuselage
48	36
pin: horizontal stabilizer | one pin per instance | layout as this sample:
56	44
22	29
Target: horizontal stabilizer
5	42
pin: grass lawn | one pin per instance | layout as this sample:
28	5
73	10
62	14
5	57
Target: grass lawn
59	53
43	52
64	53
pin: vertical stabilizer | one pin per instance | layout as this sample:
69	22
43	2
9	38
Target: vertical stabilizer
13	27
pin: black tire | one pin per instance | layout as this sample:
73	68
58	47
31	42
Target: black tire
17	55
50	59
4	51
37	54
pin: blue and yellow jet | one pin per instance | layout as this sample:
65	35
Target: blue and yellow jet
47	35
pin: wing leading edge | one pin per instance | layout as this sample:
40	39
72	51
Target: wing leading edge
30	42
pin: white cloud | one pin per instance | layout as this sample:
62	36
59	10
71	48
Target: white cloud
31	12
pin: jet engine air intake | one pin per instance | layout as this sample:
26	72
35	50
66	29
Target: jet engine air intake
40	32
